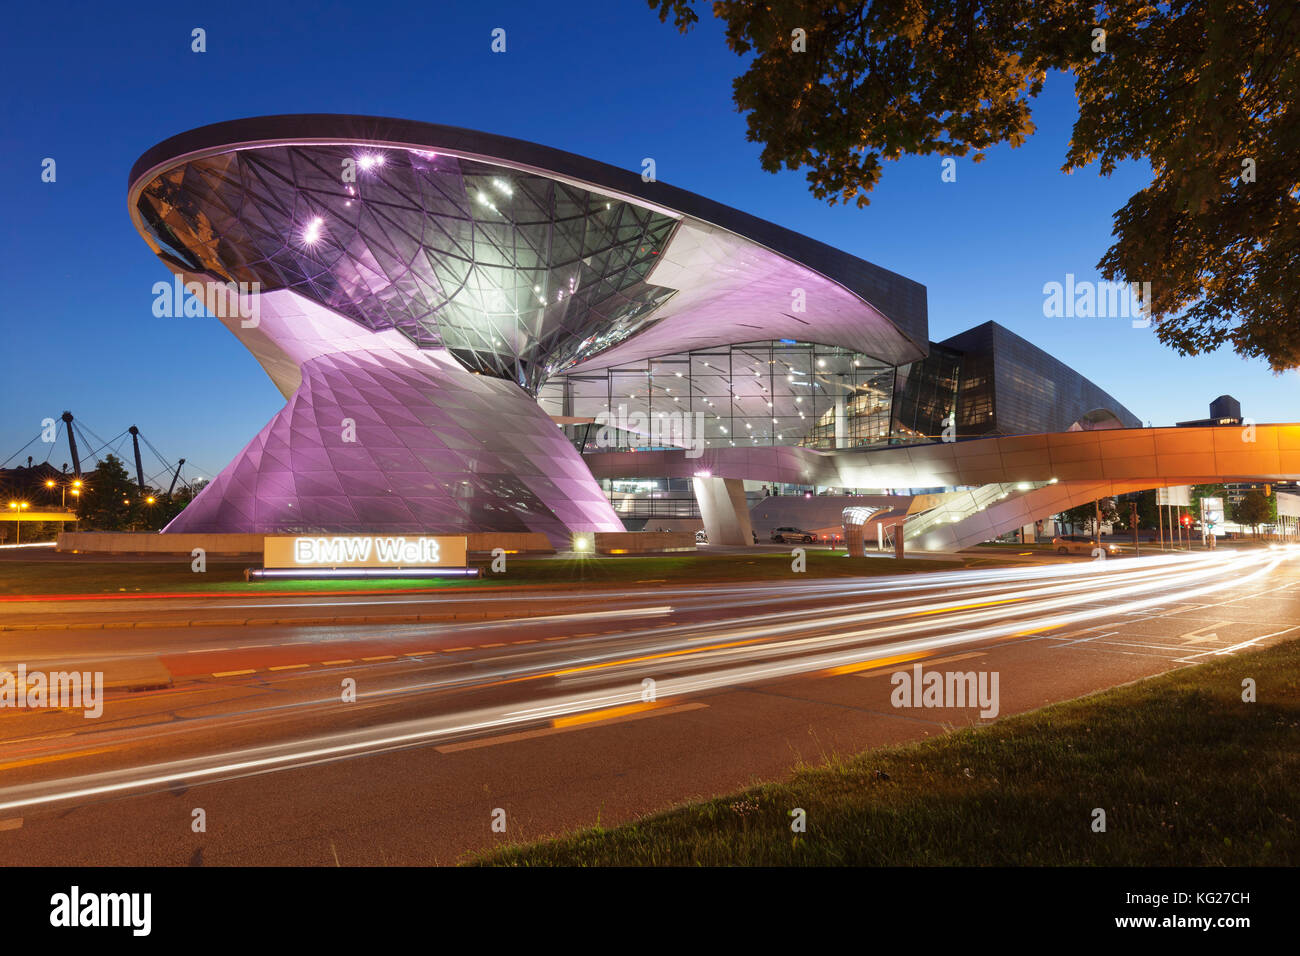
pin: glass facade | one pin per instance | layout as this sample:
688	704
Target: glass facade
763	393
925	394
517	274
988	379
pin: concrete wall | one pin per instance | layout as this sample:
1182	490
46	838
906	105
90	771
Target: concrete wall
643	542
817	512
523	542
110	542
147	542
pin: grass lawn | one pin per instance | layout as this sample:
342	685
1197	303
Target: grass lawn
96	575
1187	773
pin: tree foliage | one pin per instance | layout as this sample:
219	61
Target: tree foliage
110	500
1254	509
1205	90
1084	516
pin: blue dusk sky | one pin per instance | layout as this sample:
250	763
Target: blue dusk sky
94	87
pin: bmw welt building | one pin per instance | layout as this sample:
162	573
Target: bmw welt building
462	324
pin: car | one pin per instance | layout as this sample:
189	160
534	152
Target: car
701	537
782	535
1081	544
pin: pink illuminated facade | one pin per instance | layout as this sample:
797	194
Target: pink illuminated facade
418	286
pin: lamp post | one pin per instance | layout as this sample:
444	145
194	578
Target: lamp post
20	507
75	484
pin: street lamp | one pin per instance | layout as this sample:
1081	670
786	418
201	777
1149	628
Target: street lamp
20	507
63	491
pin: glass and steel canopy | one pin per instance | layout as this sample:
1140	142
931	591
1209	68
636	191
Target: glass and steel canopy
516	274
521	260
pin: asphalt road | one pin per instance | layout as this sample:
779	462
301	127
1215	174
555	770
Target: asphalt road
577	708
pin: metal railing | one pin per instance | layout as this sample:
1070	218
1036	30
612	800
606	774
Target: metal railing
962	505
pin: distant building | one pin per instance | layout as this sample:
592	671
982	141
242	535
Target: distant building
1224	410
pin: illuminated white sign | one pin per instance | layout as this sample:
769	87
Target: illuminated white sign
363	551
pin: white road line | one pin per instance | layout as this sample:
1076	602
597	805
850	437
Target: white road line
1081	640
1236	647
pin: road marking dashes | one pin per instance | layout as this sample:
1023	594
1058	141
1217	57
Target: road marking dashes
378	657
568	728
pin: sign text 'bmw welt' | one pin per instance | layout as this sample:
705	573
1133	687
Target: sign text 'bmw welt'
363	551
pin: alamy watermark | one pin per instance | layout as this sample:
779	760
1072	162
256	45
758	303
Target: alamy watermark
68	690
75	908
944	689
1098	300
640	430
223	300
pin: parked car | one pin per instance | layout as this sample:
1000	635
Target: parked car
782	535
1081	544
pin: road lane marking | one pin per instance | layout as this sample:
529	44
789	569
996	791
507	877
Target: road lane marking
1035	630
346	660
965	607
662	711
1082	640
50	758
651	657
233	673
606	713
930	663
1236	647
381	657
287	667
16	823
1196	637
877	662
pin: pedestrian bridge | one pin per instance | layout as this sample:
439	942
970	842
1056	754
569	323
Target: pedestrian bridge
1037	475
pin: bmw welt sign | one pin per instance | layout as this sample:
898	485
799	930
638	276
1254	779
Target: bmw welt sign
363	551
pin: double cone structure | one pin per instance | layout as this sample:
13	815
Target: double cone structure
415	286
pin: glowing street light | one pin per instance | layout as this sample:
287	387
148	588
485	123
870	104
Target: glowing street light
63	489
20	507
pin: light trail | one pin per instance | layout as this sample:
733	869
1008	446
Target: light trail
751	654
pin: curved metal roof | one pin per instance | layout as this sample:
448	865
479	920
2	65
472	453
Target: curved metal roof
523	260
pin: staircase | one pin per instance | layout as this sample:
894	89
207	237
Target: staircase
962	505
